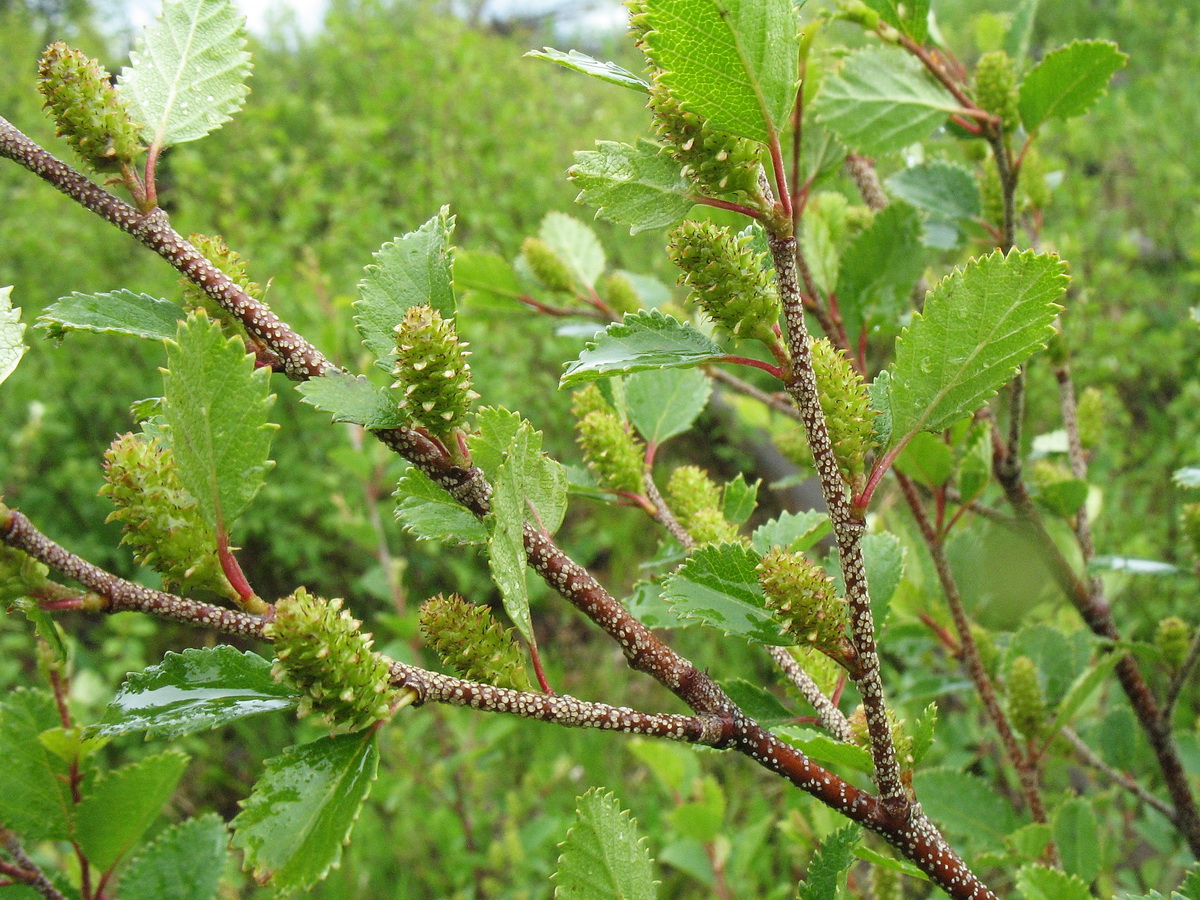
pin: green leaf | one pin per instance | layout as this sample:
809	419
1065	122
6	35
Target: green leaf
739	499
910	17
1063	498
429	513
875	858
602	857
1016	42
757	702
701	818
882	100
928	459
1040	883
216	404
1077	838
830	863
544	478
581	62
880	269
295	821
413	270
187	74
980	323
1060	658
966	805
883	561
718	586
1081	689
940	188
1191	885
796	532
647	340
1188	477
634	185
43	624
576	245
195	849
734	62
485	273
1029	842
34	800
1068	81
826	750
665	402
12	334
1134	566
192	691
123	803
922	732
118	312
351	398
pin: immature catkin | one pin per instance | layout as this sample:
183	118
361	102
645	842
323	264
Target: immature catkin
695	500
321	651
470	640
1026	704
849	416
803	598
432	371
612	452
86	108
233	264
1173	637
726	278
996	87
619	293
160	519
1091	415
546	266
588	399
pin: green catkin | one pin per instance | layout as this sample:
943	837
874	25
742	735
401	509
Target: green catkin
86	109
469	640
160	519
546	266
1091	415
620	294
233	264
590	399
996	87
849	416
612	452
321	651
1026	704
726	278
431	370
695	500
1173	637
803	598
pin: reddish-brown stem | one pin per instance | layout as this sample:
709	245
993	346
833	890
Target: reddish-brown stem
149	199
780	171
753	363
561	311
233	572
538	671
25	871
714	202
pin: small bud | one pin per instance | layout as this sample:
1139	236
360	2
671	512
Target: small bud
1173	638
233	264
320	650
695	500
727	279
21	575
86	108
1091	414
803	598
849	416
612	452
718	163
1026	705
1044	474
431	371
470	640
159	517
996	87
861	733
1191	527
619	293
547	267
859	13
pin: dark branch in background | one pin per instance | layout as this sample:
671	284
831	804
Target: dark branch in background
1124	779
26	871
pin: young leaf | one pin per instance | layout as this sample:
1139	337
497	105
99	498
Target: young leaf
117	312
881	101
922	732
293	824
939	188
581	62
827	871
602	857
216	404
1040	883
632	185
413	270
543	479
719	586
1077	837
351	398
757	702
978	326
192	691
187	74
185	862
739	499
430	514
123	803
648	340
575	244
825	749
33	781
12	334
791	531
665	402
911	18
880	268
734	62
1068	81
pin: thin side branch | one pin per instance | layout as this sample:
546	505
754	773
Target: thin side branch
27	871
831	717
1124	779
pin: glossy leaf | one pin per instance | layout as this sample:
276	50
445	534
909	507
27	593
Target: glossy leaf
429	513
576	245
826	750
351	398
581	62
1134	566
739	499
880	268
648	340
1041	883
830	863
665	402
33	781
1188	477
937	187
1077	837
635	185
791	531
12	334
1068	81
117	312
734	62
187	75
881	101
413	270
602	857
216	404
718	586
295	821
496	428
195	690
979	324
121	804
185	862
